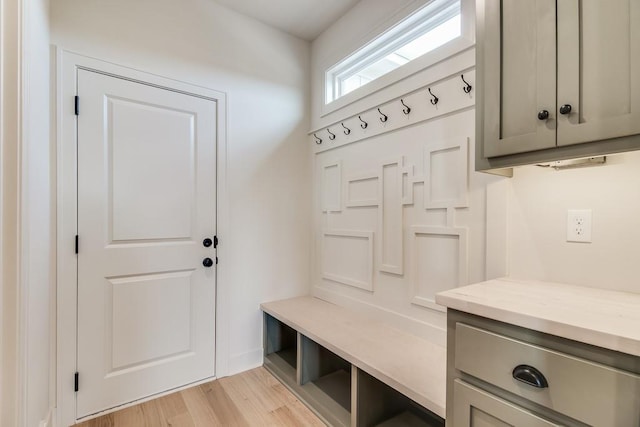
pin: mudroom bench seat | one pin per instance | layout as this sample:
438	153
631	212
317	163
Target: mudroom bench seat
352	370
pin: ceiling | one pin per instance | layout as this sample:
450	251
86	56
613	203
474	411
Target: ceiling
302	18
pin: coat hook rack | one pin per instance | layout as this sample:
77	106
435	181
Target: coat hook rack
467	88
364	124
332	135
318	140
435	99
346	131
384	117
406	110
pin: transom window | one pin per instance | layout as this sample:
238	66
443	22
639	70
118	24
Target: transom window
429	28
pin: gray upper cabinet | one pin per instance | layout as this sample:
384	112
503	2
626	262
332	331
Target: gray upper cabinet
521	76
560	79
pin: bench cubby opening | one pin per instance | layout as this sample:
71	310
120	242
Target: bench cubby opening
326	378
280	347
381	406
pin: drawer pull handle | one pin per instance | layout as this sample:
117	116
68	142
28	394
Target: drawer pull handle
530	375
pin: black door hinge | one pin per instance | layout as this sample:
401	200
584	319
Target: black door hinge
76	243
215	242
76	382
216	260
76	104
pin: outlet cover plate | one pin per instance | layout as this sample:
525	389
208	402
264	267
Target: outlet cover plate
579	225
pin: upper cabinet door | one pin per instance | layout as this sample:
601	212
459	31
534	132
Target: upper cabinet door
519	76
598	69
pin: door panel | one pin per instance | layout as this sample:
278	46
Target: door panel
146	200
519	76
165	208
598	65
134	318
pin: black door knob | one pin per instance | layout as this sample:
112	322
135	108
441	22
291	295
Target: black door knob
565	109
207	242
207	262
543	115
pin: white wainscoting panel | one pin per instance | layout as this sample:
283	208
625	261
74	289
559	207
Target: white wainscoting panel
412	184
439	259
390	242
347	257
361	190
407	185
446	174
331	187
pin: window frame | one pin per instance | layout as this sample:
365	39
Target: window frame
387	42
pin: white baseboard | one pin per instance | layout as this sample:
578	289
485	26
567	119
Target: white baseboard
432	333
245	361
50	419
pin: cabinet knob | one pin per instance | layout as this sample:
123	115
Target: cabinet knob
565	109
530	375
207	262
543	115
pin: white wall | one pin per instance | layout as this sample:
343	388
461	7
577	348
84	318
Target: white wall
538	206
264	250
389	170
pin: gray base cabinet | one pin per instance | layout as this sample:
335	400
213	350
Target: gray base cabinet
335	390
504	375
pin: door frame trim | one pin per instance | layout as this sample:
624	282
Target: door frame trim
66	68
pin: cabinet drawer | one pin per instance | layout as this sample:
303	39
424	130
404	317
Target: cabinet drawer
586	391
475	407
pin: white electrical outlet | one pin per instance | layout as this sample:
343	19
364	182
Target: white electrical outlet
579	225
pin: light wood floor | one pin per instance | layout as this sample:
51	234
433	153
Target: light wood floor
252	398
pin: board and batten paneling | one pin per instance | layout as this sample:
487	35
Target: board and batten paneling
412	221
347	257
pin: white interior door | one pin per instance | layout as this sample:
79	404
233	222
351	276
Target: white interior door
146	202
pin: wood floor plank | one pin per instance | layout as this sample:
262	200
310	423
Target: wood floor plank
132	416
152	414
252	398
174	411
198	407
103	421
222	405
254	411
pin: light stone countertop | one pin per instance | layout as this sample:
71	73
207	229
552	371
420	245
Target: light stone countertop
604	318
